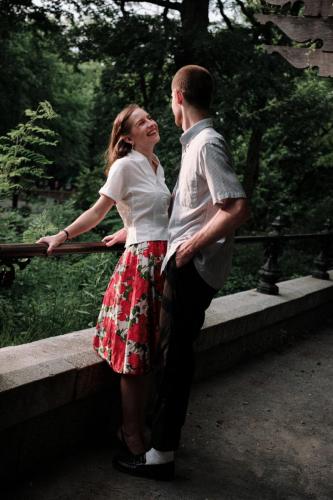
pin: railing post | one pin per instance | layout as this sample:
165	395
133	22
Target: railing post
7	274
7	270
321	262
270	272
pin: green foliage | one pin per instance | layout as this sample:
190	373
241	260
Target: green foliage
137	67
34	69
88	184
21	158
296	260
296	168
73	92
65	294
247	260
38	227
12	224
26	226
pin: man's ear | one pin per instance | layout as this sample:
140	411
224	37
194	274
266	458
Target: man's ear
179	97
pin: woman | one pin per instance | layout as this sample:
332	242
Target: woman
127	326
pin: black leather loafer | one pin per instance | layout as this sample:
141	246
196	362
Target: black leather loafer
136	466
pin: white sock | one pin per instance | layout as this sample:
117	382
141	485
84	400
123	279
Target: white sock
155	457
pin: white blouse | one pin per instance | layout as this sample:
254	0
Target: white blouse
142	197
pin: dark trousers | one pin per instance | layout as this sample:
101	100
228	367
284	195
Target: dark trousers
186	296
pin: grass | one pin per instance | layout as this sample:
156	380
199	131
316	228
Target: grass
54	296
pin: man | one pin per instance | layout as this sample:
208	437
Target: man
209	204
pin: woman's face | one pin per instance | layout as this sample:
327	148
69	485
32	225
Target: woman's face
143	129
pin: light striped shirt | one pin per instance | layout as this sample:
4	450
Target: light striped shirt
206	178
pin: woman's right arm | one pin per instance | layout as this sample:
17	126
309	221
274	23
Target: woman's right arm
86	221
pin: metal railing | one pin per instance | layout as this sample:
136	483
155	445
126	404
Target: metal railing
20	255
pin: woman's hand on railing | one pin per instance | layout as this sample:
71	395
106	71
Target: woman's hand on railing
53	241
118	237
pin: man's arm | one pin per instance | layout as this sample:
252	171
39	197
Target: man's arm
233	212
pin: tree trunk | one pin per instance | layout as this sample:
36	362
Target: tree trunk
192	47
253	160
195	21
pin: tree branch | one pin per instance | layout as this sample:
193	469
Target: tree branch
224	16
121	5
165	14
248	14
162	3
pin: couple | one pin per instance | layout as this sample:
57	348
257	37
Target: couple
155	303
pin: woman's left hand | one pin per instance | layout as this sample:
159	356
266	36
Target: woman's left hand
117	238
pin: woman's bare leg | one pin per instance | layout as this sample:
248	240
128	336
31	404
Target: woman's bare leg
134	391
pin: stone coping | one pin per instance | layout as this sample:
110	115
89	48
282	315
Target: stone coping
47	374
240	314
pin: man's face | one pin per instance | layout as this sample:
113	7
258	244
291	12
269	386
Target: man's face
176	107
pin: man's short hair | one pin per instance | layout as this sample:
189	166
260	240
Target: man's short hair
196	84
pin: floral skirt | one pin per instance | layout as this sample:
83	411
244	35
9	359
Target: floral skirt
127	328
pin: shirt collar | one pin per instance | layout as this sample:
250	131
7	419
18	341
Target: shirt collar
136	155
187	136
139	156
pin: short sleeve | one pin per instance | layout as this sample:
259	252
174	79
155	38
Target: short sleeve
116	184
216	166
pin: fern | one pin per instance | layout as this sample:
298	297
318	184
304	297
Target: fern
39	226
20	160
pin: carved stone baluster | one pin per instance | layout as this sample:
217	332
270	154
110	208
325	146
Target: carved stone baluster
270	272
322	261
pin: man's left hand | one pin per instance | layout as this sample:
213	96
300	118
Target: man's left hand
184	253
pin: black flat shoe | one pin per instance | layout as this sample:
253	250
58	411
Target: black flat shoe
136	466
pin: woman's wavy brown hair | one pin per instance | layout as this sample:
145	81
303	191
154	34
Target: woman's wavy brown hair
118	147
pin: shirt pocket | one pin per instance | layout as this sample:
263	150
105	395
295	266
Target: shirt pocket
188	191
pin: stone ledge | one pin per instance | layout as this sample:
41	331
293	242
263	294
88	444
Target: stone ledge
38	381
43	375
241	314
